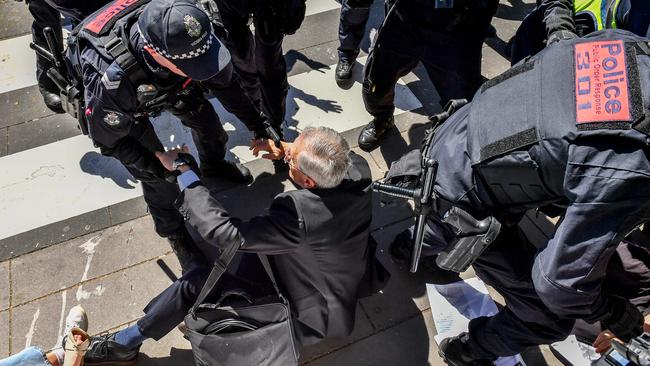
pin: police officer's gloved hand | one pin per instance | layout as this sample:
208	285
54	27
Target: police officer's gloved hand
624	319
561	35
295	14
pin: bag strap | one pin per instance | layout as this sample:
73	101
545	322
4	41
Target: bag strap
267	267
220	266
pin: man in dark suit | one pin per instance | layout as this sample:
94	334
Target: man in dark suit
316	239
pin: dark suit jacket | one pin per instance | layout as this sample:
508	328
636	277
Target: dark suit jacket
317	242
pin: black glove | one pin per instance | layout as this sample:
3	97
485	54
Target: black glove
561	35
624	320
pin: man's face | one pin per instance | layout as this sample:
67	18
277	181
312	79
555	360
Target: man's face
291	157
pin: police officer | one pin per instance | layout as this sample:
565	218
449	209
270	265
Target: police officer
352	26
134	58
258	58
48	14
556	19
445	35
568	130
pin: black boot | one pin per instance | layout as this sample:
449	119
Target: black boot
371	135
228	170
343	73
104	351
456	353
52	100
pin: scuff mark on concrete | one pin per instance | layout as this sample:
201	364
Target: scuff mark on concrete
88	248
64	301
30	333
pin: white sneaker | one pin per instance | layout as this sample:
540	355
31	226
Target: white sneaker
76	318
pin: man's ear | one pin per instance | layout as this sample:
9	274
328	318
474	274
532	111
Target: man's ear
309	183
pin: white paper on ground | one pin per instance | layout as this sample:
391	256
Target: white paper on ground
577	353
454	305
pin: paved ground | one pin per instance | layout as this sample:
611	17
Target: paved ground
75	229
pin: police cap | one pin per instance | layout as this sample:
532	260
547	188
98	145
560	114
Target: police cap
182	33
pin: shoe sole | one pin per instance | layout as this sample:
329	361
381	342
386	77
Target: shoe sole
368	149
344	83
448	362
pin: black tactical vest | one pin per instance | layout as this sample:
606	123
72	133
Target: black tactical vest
522	120
106	29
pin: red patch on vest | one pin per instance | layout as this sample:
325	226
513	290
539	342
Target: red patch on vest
601	82
96	25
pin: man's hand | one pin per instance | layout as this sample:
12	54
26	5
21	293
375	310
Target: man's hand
167	158
604	340
272	152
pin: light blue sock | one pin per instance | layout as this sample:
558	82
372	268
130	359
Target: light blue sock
130	337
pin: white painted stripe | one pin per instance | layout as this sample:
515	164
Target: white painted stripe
18	61
17	64
319	6
64	179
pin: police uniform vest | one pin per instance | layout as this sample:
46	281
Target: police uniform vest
595	15
105	31
521	122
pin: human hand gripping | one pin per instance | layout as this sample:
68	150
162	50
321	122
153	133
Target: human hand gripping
604	340
167	158
267	145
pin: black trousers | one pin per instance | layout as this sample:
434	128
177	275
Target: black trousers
525	321
448	43
169	308
352	26
257	59
44	16
48	14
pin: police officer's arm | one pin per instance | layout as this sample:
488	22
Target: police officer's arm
279	231
558	16
110	104
606	182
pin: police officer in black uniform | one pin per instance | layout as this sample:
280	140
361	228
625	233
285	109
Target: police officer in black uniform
352	26
569	131
445	35
557	19
258	58
134	58
48	14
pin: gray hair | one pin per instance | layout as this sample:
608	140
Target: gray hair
324	157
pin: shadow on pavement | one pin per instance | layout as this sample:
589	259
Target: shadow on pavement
395	145
107	167
293	56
